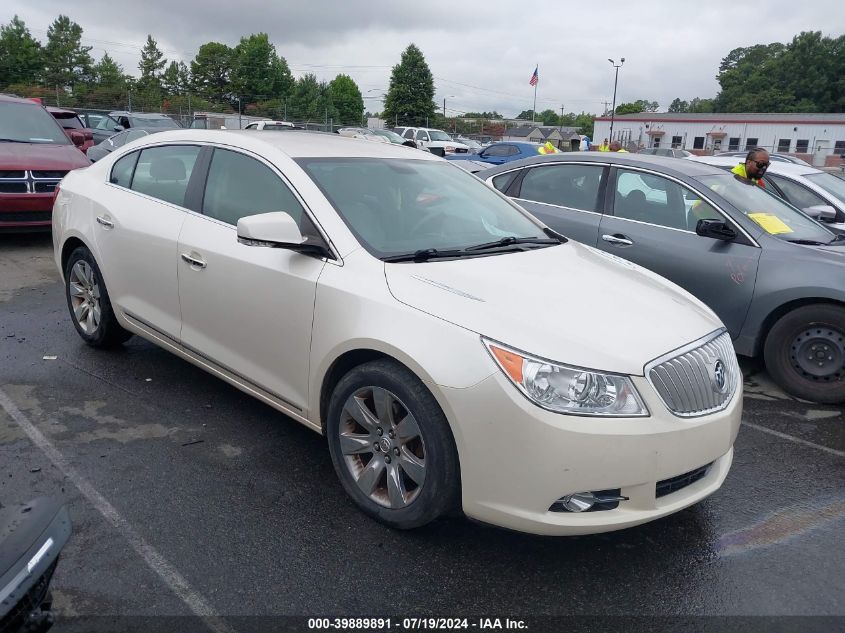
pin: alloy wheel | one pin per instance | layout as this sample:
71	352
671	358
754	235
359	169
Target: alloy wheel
85	297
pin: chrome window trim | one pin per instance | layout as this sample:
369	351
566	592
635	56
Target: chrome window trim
338	259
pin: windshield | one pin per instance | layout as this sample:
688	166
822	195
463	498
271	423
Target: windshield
402	206
69	121
154	122
394	138
771	213
437	135
29	123
834	185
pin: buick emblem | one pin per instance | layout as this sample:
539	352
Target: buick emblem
720	380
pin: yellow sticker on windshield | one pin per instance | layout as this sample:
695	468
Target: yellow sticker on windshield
770	223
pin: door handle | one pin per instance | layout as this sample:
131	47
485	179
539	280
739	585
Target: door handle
193	261
106	223
619	241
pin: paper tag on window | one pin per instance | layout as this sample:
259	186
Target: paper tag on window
770	223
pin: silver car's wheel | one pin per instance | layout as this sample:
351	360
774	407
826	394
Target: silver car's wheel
88	301
85	297
383	447
391	445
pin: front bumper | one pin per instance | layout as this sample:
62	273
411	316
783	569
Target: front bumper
26	210
518	459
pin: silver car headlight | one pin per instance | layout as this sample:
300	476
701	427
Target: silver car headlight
564	389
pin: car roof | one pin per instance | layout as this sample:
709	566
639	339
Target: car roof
295	143
667	165
787	169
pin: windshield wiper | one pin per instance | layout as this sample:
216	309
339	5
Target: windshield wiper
807	242
510	241
13	140
424	255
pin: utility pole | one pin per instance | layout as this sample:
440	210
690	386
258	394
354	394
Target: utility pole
560	128
240	125
615	82
130	100
606	103
57	96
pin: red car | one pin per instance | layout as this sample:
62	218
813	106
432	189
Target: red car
35	154
70	121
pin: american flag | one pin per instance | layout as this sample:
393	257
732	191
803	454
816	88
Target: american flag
534	78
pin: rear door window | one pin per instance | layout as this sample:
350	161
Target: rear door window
164	172
573	186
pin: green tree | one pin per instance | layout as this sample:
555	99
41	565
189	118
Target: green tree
678	106
748	78
66	62
526	114
211	70
701	105
311	101
175	80
347	98
640	105
258	73
151	66
548	117
108	72
410	96
21	57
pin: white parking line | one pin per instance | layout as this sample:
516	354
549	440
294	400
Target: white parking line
167	572
797	440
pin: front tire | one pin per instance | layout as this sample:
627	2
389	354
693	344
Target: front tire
88	302
391	446
805	353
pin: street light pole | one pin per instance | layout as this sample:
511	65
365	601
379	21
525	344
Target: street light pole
240	125
615	82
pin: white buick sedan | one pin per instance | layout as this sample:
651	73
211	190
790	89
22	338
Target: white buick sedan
455	353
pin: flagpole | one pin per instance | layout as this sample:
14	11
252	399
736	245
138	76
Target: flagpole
534	109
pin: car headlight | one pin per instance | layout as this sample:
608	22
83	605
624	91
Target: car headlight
565	389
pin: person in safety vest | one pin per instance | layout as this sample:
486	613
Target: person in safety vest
604	147
755	166
616	146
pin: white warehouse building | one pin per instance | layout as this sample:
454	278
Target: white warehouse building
817	138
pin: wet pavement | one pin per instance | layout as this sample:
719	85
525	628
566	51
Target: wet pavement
205	498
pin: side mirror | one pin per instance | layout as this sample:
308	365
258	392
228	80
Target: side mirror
276	230
821	212
78	139
716	229
118	128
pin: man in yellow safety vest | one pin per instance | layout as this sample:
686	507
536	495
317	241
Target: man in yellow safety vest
755	166
604	147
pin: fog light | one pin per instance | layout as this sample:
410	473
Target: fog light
579	502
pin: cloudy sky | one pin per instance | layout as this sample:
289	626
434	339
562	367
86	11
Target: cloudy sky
481	54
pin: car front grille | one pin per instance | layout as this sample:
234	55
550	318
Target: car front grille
52	175
668	486
698	379
13	187
30	181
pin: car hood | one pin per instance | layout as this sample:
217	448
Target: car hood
41	156
569	303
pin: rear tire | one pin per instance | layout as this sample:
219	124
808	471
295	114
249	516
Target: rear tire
805	353
89	304
391	446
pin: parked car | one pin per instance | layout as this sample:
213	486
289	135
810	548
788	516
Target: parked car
35	154
505	152
270	125
117	141
773	275
70	121
103	126
431	139
669	152
474	146
394	138
774	156
819	194
147	120
362	133
396	307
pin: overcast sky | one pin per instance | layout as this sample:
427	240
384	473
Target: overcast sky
482	54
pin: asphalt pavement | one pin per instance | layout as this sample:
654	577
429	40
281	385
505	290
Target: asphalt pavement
189	497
